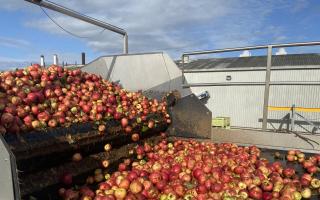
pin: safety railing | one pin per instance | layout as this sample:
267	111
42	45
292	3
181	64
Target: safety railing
267	82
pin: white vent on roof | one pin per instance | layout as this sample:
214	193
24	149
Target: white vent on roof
55	59
281	51
245	53
42	61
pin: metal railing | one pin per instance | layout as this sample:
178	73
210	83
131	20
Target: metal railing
267	82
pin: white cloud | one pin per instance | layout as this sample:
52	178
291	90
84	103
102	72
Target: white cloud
13	42
281	51
150	24
299	5
9	59
173	26
8	63
13	5
280	38
10	5
245	53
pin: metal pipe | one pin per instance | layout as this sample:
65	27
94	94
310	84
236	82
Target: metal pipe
252	83
125	44
297	44
253	48
252	69
182	69
77	15
225	50
267	88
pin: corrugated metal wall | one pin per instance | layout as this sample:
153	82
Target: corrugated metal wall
244	103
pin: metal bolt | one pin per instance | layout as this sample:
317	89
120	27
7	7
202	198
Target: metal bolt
6	159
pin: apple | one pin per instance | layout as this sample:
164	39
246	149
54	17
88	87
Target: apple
105	163
255	193
291	157
312	169
267	185
297	195
288	172
315	183
306	193
107	147
76	157
120	193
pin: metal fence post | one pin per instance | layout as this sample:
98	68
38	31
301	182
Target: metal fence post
182	69
267	89
293	117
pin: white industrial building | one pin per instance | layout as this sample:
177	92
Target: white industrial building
236	88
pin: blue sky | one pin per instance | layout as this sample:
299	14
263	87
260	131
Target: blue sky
174	27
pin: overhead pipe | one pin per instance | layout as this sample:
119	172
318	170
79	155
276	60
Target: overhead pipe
61	9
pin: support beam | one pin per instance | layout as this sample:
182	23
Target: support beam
182	69
125	44
267	89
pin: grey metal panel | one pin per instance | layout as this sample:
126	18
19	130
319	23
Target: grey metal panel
296	75
242	103
255	76
218	77
99	66
141	72
301	96
150	71
194	122
6	179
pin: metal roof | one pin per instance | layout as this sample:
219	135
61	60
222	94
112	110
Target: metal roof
254	61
